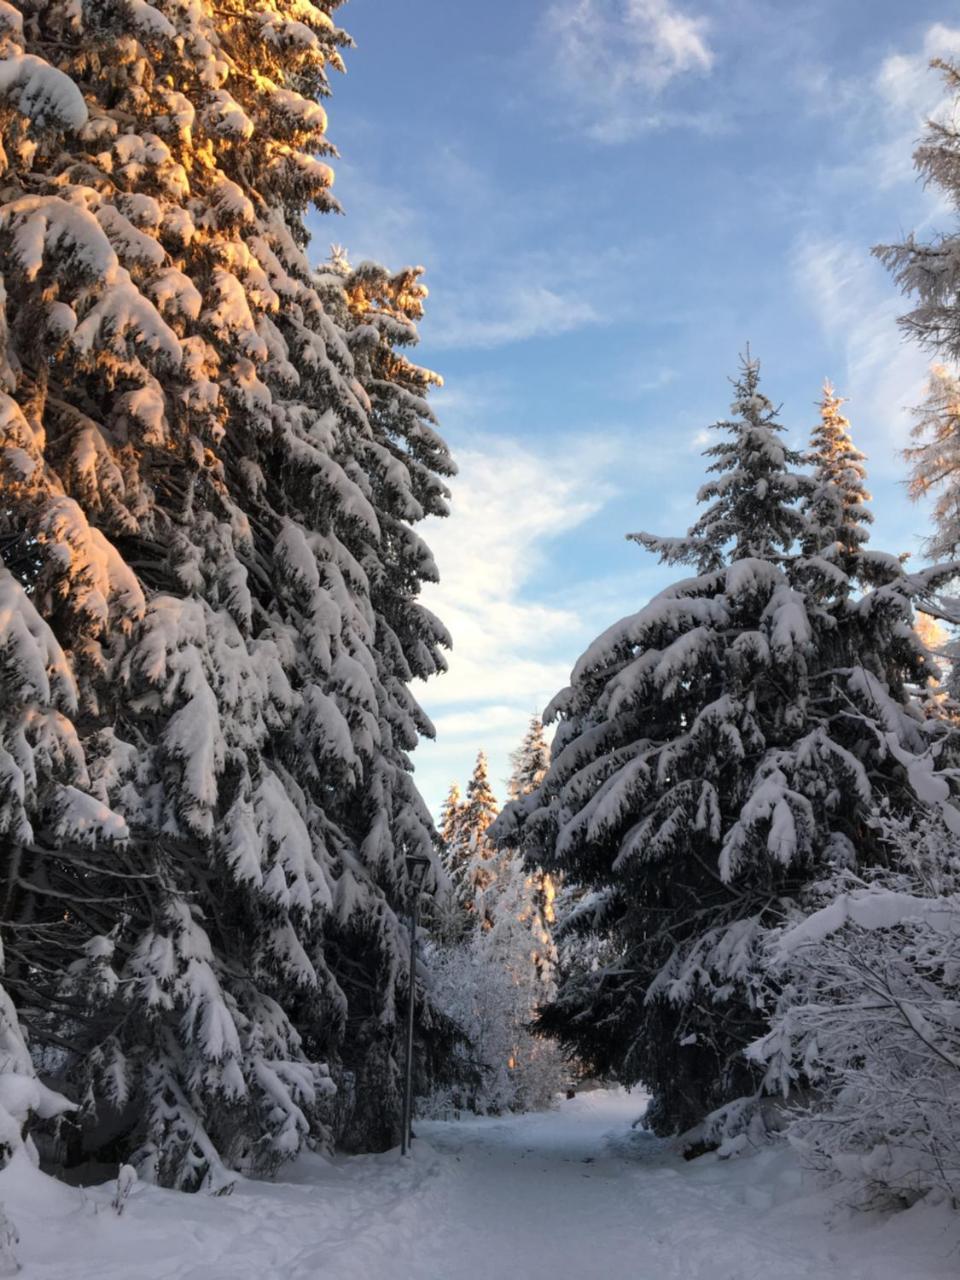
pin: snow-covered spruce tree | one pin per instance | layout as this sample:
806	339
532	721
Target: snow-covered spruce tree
450	816
403	464
34	668
530	761
202	753
480	806
837	516
717	752
470	860
447	917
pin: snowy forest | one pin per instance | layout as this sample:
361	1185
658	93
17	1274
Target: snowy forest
726	871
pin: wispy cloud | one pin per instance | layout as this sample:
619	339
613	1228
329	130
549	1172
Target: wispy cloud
910	94
881	372
509	503
855	302
882	115
617	58
501	273
524	309
903	80
632	43
512	647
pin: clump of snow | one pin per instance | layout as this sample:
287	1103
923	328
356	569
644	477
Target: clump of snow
40	91
126	1181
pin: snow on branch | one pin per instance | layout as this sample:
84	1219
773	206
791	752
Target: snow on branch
46	95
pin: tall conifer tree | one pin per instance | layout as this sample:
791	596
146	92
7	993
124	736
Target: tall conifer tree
530	761
838	518
450	816
472	866
211	462
716	753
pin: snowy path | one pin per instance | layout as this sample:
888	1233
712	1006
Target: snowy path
567	1195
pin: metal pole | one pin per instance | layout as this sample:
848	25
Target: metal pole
408	1082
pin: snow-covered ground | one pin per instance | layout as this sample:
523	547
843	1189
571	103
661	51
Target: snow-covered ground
574	1193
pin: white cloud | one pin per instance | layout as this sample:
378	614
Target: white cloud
622	126
636	43
475	724
909	94
904	79
882	115
881	372
851	294
509	501
496	278
518	310
512	648
618	57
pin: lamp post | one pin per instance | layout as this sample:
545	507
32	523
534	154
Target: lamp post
417	867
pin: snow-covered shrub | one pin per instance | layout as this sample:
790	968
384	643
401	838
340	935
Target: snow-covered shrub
493	956
490	978
867	1025
22	1095
487	983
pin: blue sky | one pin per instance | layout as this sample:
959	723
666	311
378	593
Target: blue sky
611	197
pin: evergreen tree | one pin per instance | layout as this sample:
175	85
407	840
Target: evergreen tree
530	761
450	816
211	461
717	752
449	918
403	465
837	516
480	806
472	863
452	837
752	512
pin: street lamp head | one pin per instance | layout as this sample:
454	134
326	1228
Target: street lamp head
417	867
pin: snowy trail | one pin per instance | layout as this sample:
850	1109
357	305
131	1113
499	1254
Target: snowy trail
580	1193
537	1198
566	1195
